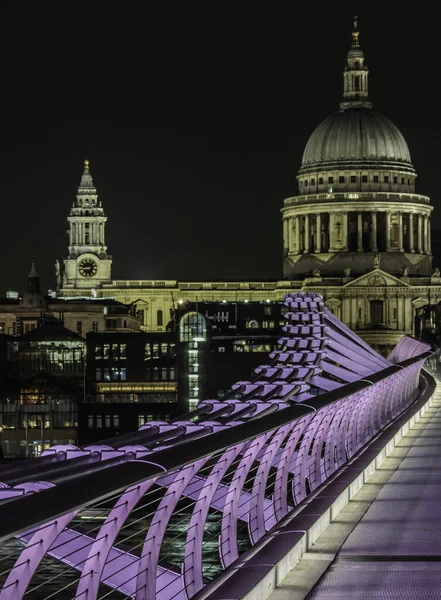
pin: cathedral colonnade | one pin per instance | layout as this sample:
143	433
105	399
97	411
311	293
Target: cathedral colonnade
356	230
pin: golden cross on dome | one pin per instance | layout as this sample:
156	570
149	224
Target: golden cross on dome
86	166
355	33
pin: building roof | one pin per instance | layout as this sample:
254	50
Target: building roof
51	331
356	134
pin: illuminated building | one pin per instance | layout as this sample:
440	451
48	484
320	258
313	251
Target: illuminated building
357	233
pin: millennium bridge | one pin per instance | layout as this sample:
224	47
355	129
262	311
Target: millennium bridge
228	500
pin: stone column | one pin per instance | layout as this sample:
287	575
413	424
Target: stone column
400	232
72	234
411	241
286	223
345	232
297	221
318	234
429	237
354	313
306	248
425	236
374	244
387	231
360	232
420	235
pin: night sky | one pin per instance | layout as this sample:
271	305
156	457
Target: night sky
194	116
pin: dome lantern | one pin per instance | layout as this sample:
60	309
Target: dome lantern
355	75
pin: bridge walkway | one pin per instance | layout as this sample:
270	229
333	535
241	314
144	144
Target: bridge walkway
386	542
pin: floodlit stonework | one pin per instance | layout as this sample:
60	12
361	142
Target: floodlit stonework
357	233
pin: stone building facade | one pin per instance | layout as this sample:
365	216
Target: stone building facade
357	232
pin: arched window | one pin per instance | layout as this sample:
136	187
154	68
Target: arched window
192	327
159	318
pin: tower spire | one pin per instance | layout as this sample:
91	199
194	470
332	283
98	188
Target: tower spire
33	279
355	75
86	183
355	33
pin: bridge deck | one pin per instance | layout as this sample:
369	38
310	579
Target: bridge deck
393	549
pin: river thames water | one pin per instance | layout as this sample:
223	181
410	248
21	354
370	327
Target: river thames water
54	579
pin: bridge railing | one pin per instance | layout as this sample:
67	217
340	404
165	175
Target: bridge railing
168	520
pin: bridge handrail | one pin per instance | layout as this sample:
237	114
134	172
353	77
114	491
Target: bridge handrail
31	510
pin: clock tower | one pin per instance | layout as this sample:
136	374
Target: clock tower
88	264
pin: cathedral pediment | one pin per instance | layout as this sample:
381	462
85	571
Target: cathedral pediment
377	278
419	302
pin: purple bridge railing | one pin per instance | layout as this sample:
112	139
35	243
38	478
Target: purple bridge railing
161	512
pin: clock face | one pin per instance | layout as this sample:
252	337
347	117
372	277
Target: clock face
88	267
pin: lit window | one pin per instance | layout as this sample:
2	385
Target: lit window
123	374
148	352
107	421
141	420
172	373
123	351
106	351
155	374
252	324
115	373
192	327
116	420
115	352
97	374
156	350
98	352
99	421
221	349
164	372
106	376
90	421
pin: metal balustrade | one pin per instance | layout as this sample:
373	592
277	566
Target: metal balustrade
161	512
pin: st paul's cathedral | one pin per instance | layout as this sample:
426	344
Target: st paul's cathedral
357	232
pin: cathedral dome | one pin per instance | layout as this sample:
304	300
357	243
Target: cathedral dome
356	134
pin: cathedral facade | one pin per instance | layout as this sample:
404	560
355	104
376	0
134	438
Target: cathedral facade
357	232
